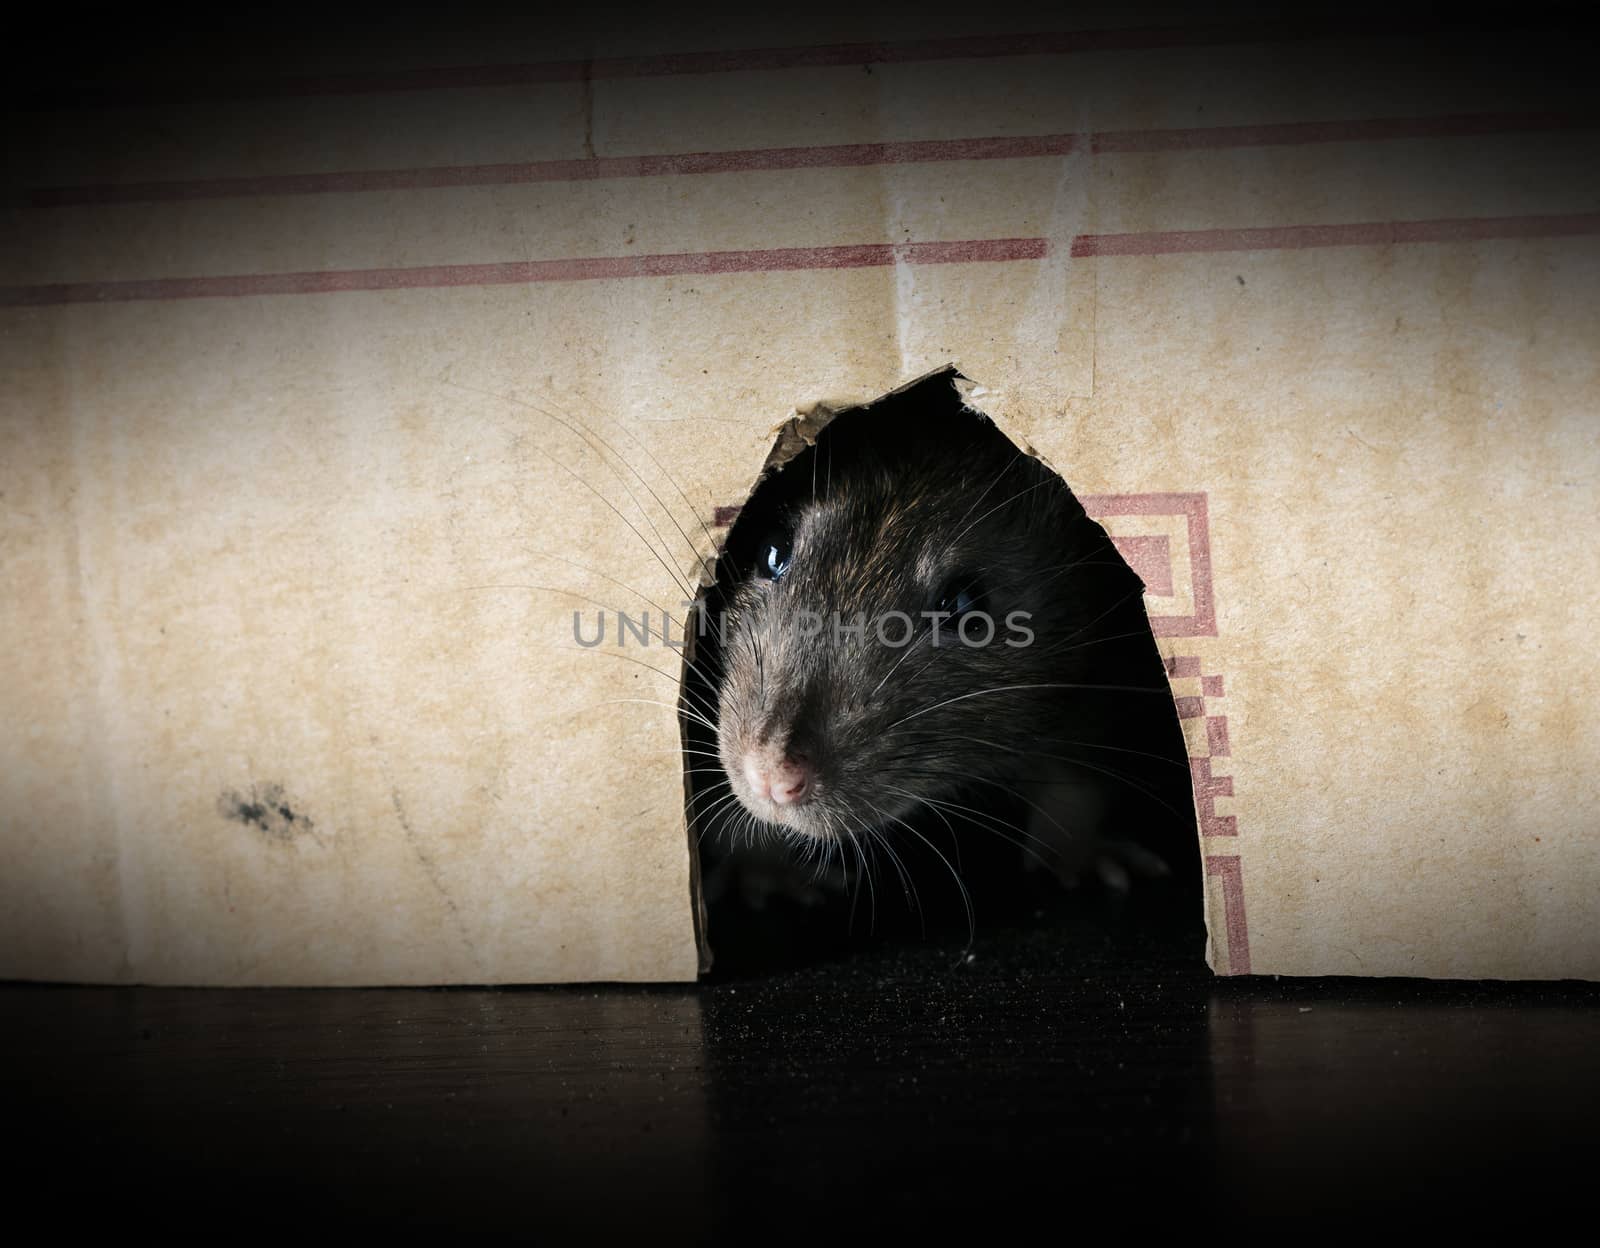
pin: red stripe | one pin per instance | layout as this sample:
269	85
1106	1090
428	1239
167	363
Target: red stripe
833	156
1377	129
745	60
1202	622
864	255
1207	788
850	256
1238	932
1360	234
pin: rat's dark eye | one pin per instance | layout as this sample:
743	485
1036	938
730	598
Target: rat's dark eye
775	559
959	596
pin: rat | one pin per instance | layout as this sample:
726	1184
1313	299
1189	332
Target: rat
917	630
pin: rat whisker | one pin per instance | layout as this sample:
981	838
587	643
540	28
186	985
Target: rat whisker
683	711
649	629
710	824
572	563
824	857
1057	571
708	791
1120	602
643	511
973	506
906	886
698	701
1016	688
1096	767
1003	502
565	422
1063	648
1181	763
677	578
1030	844
697	753
662	469
913	898
862	847
955	841
966	897
910	646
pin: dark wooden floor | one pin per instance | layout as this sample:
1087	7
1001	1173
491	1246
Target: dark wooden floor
1074	1068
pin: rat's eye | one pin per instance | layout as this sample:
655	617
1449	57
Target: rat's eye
775	562
959	596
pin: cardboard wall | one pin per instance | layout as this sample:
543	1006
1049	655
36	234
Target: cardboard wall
302	478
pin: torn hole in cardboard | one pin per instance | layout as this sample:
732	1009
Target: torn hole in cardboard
834	790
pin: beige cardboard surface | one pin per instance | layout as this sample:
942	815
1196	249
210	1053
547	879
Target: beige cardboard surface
287	666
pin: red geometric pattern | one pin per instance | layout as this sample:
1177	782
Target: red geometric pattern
1207	788
1156	561
1142	553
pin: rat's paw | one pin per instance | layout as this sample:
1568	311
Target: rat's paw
802	887
759	879
1115	863
1076	855
1067	826
1115	860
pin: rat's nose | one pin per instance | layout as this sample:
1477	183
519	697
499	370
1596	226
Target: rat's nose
784	778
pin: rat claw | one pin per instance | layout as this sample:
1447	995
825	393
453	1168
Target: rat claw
1138	859
1113	873
759	883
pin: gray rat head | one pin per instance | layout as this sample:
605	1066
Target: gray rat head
903	617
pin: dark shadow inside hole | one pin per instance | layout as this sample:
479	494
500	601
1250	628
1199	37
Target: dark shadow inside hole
929	760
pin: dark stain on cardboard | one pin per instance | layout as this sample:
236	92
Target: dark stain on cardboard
268	810
588	110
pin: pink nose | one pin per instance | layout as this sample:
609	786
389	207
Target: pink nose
783	778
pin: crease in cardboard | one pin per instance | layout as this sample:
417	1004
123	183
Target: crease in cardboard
97	628
425	858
